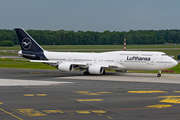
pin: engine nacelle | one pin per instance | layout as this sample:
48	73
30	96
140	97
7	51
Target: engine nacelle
65	67
95	70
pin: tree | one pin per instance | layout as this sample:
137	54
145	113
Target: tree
7	43
62	37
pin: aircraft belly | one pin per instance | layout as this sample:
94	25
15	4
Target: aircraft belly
136	65
142	66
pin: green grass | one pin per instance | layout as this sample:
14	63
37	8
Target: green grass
15	47
6	53
107	46
54	47
10	63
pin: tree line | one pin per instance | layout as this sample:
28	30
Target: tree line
62	37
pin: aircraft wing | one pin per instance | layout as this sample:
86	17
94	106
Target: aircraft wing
113	66
105	66
44	61
80	63
54	62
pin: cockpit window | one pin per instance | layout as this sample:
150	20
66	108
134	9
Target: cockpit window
164	54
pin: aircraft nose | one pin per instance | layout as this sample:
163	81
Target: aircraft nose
175	62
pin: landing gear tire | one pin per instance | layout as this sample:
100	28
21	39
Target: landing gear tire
104	72
158	75
86	73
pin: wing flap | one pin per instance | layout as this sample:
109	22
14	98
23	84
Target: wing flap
77	63
54	62
114	66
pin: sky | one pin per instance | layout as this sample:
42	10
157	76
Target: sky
90	15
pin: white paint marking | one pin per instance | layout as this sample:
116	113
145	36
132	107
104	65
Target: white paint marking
132	77
13	82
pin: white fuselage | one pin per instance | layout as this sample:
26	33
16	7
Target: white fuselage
120	60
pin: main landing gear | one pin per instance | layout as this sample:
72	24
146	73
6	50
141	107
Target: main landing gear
86	72
159	73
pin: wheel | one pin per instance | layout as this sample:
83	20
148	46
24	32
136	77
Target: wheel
86	73
104	72
158	75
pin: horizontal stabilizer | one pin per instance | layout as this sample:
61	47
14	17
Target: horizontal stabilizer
29	55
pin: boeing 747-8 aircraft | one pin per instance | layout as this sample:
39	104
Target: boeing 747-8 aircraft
94	63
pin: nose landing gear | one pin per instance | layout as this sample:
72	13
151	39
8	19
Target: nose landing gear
159	73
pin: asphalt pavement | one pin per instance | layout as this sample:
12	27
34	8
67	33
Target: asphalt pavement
27	94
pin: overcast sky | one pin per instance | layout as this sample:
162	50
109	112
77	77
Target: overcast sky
92	15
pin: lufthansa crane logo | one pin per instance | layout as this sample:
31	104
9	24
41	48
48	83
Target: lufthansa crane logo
26	43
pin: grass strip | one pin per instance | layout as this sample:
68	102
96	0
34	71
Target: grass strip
51	47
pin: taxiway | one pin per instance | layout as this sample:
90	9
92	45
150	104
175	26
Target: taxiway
49	94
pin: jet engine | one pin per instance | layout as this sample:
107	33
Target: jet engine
65	67
95	70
